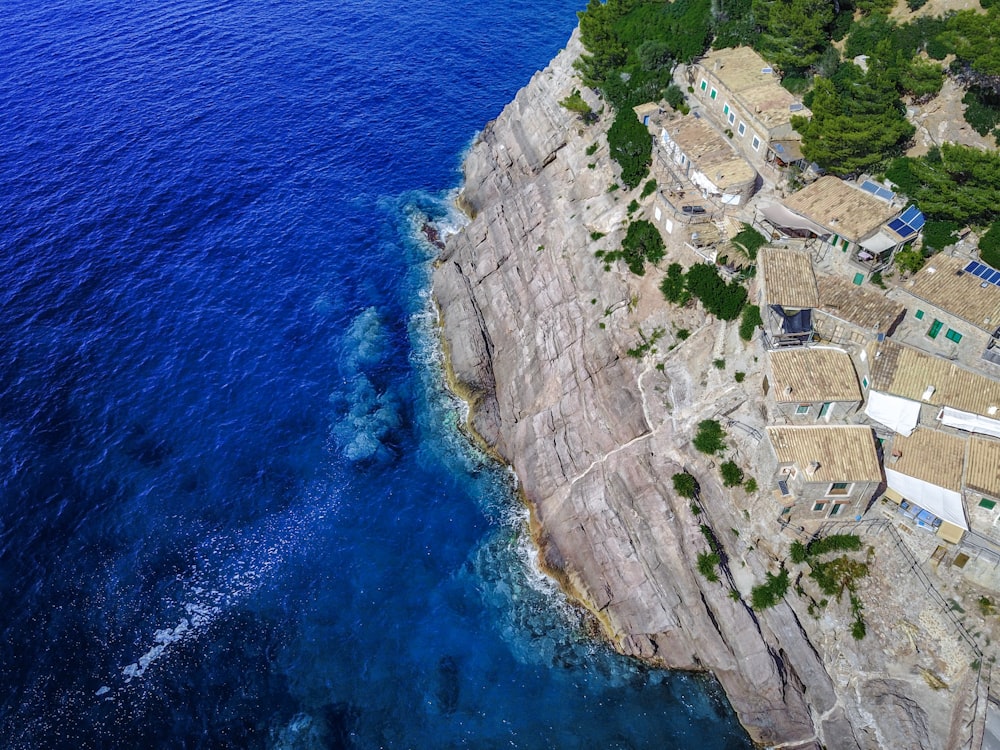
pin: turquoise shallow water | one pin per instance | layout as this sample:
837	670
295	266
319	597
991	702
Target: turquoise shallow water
235	509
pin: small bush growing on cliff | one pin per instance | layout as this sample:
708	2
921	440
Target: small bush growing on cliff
575	103
648	189
707	563
751	240
835	543
685	485
710	437
674	285
721	299
732	474
749	321
592	149
770	592
642	244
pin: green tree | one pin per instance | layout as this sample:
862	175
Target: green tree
794	31
710	437
953	182
721	299
989	245
605	51
732	474
630	145
685	485
674	285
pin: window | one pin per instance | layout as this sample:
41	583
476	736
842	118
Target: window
783	488
839	488
819	507
802	409
864	382
935	329
953	335
919	315
714	93
742	129
837	507
755	143
844	244
732	118
704	85
859	279
988	504
824	409
725	109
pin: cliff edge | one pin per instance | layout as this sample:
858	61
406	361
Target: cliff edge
537	333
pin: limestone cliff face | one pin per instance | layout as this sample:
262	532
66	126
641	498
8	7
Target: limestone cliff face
537	333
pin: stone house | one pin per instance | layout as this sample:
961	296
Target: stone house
954	308
812	384
982	486
691	151
788	295
743	96
851	220
851	314
923	474
824	472
908	387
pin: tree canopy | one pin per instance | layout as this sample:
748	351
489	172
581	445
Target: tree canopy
953	182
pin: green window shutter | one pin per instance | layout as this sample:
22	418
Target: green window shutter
953	335
725	109
864	382
714	93
859	278
844	244
935	329
704	85
988	504
819	506
919	315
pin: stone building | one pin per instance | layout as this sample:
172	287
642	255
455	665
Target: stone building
740	92
788	295
954	308
812	384
851	314
824	472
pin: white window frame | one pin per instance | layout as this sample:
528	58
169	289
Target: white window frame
846	492
704	84
742	129
802	409
732	118
755	143
713	94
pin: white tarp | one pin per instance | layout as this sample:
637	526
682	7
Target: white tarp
780	216
964	420
945	504
898	414
878	243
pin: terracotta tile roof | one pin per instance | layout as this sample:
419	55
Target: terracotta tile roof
710	151
857	305
844	453
982	472
931	456
813	374
788	278
943	284
741	70
840	207
909	373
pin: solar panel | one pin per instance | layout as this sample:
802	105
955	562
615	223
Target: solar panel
901	228
877	190
995	278
982	272
910	214
971	268
918	223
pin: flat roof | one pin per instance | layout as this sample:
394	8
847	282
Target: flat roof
857	305
742	71
982	472
931	456
788	277
845	453
840	207
711	152
813	374
943	283
910	373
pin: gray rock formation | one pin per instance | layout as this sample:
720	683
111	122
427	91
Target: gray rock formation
537	334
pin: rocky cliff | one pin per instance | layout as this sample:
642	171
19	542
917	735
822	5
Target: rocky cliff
538	332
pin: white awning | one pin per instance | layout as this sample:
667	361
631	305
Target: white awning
964	420
898	414
945	504
780	216
879	242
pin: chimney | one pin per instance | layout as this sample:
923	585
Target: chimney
895	455
812	468
788	390
928	393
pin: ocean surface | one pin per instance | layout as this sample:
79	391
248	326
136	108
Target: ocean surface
236	510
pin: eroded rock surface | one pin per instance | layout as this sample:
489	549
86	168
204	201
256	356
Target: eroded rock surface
538	332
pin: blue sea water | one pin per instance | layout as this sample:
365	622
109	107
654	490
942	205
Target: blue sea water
236	510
